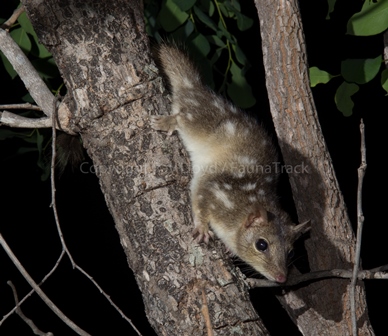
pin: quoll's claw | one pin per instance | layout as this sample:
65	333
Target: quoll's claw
202	235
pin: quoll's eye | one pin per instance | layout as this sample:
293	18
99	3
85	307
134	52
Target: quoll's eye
261	245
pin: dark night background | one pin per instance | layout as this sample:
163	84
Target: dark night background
28	226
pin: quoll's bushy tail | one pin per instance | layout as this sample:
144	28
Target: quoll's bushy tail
178	67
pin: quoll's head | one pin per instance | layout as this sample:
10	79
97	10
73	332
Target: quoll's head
265	242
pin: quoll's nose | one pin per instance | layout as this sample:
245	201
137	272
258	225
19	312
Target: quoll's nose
281	278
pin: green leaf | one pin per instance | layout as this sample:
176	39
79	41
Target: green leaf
20	36
200	45
183	32
223	9
171	17
331	4
343	99
8	66
216	55
236	5
239	90
360	71
240	56
371	20
318	76
185	5
36	48
243	22
216	40
384	79
25	23
205	19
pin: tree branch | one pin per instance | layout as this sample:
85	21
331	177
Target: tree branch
32	81
16	13
26	106
376	273
32	291
360	224
19	311
15	120
37	289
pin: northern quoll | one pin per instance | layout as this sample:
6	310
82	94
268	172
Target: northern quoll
235	168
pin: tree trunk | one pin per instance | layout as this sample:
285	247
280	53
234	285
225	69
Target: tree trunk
113	86
321	308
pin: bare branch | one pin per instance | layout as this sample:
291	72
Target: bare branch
42	295
108	298
15	120
32	291
34	84
376	273
31	323
360	224
25	106
205	312
53	190
16	13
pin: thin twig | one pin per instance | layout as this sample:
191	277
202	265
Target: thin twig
37	289
205	313
108	298
360	224
25	106
375	273
53	190
14	120
15	15
32	291
19	311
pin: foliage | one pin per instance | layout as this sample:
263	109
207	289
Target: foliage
35	140
371	20
207	28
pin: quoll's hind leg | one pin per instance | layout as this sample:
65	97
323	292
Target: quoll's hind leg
164	123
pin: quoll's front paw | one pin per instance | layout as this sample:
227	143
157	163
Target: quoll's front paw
201	233
163	123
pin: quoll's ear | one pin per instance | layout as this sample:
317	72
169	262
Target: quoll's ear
258	216
302	228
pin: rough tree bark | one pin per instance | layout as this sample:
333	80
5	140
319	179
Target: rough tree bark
322	308
113	86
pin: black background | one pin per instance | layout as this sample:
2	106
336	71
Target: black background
27	222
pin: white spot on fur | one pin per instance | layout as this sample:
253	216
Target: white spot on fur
217	104
246	160
239	173
212	206
187	82
227	186
233	108
230	127
268	179
252	198
261	192
223	197
175	109
189	116
248	186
